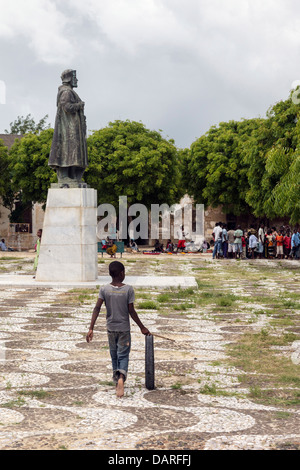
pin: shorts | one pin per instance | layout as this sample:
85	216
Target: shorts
279	250
238	247
181	244
231	248
260	247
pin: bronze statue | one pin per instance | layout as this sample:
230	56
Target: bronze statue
68	156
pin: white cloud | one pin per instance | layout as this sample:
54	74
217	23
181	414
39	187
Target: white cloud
176	65
41	24
132	24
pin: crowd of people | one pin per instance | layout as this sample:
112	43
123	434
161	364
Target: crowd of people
253	243
263	242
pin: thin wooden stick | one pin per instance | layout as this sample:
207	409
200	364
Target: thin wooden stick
159	336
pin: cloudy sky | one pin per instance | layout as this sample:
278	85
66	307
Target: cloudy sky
179	66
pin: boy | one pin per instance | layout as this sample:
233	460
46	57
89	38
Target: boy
279	241
118	298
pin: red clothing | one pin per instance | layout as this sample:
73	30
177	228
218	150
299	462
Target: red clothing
279	240
287	242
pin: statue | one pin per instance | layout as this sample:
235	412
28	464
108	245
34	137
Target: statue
68	156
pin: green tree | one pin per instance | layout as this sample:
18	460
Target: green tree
28	167
272	154
215	172
5	187
126	159
249	166
24	125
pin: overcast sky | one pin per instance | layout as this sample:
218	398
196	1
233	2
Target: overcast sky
179	66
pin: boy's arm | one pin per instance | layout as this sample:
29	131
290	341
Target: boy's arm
95	315
135	318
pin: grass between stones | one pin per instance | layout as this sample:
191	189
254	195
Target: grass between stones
262	300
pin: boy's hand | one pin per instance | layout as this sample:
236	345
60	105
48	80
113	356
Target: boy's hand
145	331
89	336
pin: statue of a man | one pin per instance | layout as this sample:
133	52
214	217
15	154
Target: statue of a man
68	156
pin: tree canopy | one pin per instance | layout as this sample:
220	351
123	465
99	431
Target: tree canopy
28	166
214	173
250	165
127	159
247	166
24	125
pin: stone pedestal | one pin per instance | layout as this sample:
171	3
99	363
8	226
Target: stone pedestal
69	242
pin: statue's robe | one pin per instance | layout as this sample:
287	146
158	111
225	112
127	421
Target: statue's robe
69	148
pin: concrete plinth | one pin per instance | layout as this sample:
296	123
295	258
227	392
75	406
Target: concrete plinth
69	243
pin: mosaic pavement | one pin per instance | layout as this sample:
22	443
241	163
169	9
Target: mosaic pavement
56	390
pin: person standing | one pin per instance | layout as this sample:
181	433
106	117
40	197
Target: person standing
238	241
252	244
287	244
37	248
224	240
295	243
217	236
261	240
279	244
119	302
231	247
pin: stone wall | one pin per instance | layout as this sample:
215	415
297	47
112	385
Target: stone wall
21	241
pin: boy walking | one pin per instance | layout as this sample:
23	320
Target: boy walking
119	301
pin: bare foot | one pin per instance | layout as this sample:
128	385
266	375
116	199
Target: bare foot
120	387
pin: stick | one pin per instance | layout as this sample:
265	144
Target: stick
159	336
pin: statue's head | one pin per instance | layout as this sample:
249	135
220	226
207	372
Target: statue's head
69	77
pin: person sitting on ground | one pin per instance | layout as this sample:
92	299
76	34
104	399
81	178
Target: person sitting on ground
204	246
2	245
170	246
158	247
181	234
133	245
119	301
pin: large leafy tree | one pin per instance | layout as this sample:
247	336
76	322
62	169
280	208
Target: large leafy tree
28	167
249	166
214	170
127	159
272	155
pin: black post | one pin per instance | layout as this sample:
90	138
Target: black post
149	363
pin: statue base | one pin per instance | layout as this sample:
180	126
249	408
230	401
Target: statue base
69	250
68	185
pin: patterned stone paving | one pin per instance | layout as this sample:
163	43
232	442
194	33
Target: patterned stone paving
56	390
